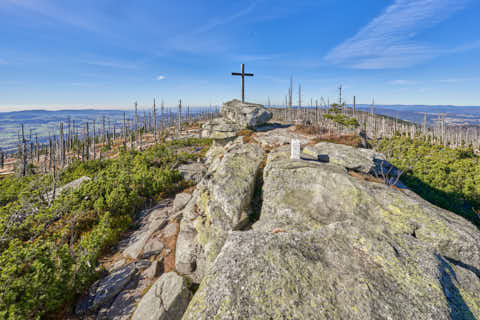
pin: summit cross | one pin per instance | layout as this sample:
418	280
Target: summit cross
243	75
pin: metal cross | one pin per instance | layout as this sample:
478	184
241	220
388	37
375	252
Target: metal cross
243	75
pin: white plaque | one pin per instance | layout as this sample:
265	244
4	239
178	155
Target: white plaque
295	149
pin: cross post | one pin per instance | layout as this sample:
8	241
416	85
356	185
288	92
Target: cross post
243	75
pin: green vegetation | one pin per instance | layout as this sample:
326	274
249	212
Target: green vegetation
49	250
337	117
448	178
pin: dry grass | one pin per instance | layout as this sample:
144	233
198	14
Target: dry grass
321	134
247	135
189	189
309	130
370	178
346	139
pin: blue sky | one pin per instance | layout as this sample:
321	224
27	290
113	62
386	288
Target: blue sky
110	53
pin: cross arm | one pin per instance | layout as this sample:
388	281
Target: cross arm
242	74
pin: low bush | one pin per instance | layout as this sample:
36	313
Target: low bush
50	250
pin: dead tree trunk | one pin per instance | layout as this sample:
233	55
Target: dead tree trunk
24	153
180	117
154	122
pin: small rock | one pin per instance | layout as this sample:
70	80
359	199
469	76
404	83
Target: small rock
135	249
154	270
170	230
181	201
111	285
153	247
168	298
142	264
117	265
126	301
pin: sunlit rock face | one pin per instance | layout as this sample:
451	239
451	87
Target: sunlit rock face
245	114
330	245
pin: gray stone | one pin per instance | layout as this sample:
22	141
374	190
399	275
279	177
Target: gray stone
118	264
111	285
221	202
154	270
181	201
245	114
142	264
220	129
153	247
362	160
126	301
167	299
170	230
279	137
193	171
155	221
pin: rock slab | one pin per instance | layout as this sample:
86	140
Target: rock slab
221	202
246	114
329	245
167	299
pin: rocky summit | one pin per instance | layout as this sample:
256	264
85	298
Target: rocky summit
327	236
330	244
236	115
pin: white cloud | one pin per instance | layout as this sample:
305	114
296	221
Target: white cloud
160	77
388	40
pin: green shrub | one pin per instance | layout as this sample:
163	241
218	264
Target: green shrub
448	178
50	251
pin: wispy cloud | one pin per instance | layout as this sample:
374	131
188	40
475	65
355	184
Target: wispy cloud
53	11
3	61
161	77
388	40
200	39
216	22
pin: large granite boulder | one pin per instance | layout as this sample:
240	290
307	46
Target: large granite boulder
167	299
329	245
220	129
220	203
246	114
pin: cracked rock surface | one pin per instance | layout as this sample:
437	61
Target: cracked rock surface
167	299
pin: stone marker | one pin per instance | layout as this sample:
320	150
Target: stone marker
295	149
